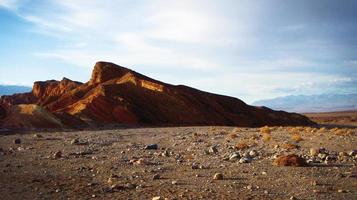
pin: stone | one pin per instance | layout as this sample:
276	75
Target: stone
234	156
37	136
342	154
218	176
352	153
174	182
293	198
57	154
17	141
213	150
244	160
152	147
75	141
165	154
157	198
156	176
322	156
249	187
195	166
253	153
314	151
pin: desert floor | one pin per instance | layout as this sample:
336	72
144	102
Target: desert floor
114	164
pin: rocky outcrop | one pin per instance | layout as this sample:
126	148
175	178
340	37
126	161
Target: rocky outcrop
117	95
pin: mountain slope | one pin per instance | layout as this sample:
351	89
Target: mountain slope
117	95
312	103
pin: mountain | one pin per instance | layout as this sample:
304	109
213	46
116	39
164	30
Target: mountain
312	103
117	95
12	89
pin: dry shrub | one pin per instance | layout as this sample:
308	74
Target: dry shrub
289	146
254	137
266	137
233	135
296	137
212	128
195	135
265	129
294	130
236	130
343	132
309	130
290	160
322	130
188	157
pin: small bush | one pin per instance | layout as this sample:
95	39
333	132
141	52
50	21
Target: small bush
266	137
265	129
296	137
242	145
233	135
289	146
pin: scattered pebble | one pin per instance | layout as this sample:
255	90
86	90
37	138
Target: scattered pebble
152	147
218	176
17	141
156	176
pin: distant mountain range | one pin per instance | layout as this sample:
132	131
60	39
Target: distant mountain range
12	89
311	103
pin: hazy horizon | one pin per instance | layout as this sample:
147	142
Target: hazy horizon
251	50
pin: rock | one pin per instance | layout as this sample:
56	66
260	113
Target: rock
314	151
313	183
290	160
157	198
165	154
322	156
57	154
234	156
352	153
152	147
213	150
253	153
17	141
218	176
156	176
264	173
246	154
37	136
174	182
195	166
141	161
245	160
342	154
249	187
293	198
75	141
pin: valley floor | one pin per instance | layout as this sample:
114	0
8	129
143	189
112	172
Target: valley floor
114	164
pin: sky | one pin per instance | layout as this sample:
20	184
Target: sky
248	49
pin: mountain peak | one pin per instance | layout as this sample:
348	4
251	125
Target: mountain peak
104	71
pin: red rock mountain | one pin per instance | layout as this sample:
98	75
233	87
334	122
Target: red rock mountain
117	95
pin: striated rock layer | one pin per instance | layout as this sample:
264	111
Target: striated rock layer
117	95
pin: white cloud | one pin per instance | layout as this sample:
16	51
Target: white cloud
10	4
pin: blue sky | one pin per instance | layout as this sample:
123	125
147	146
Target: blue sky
243	48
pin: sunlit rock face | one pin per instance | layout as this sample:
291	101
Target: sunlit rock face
117	95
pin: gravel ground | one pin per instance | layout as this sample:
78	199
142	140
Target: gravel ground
179	163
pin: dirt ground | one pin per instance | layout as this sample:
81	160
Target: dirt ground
114	164
343	118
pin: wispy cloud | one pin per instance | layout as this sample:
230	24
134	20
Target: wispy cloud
249	49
